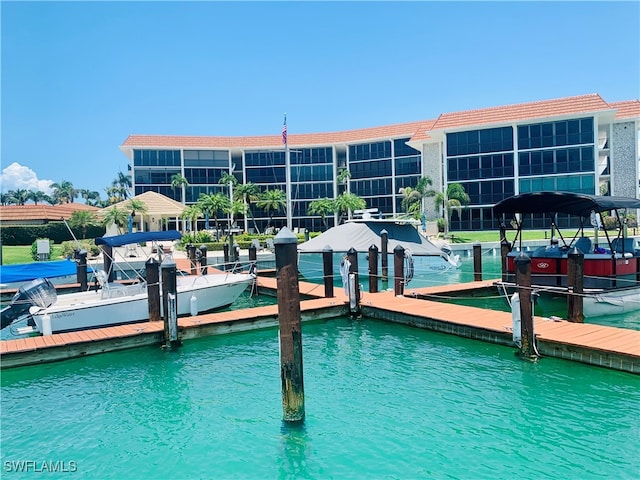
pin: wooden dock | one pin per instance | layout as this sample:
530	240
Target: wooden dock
603	346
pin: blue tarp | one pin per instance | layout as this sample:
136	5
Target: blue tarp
138	237
29	271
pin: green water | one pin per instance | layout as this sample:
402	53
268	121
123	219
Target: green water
382	401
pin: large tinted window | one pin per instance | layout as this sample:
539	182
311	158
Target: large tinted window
480	141
556	134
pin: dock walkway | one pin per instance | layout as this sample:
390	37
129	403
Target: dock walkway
603	346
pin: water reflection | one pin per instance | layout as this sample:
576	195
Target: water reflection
294	442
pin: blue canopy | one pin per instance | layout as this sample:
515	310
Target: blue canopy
138	237
30	271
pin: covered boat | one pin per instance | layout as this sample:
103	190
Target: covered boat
611	264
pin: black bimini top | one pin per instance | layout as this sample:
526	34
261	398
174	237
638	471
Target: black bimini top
578	204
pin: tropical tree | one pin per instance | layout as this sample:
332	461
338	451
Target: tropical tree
179	181
323	207
38	196
411	201
63	192
83	219
116	216
347	203
213	204
343	177
91	197
452	200
272	201
19	196
249	192
230	181
192	213
135	205
122	185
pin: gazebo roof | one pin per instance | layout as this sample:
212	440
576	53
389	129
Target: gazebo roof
157	205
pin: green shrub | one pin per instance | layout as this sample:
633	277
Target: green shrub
68	248
34	248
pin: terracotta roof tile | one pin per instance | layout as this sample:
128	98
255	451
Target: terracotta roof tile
522	111
275	141
41	212
626	109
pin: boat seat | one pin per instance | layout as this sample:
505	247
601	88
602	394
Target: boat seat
584	245
625	245
110	289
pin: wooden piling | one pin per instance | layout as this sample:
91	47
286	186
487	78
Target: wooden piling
575	283
236	252
107	261
398	270
191	253
373	269
505	247
170	302
253	268
523	282
81	268
203	259
327	265
152	269
225	250
384	252
477	262
290	322
354	290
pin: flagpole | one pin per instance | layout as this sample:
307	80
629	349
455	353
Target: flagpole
287	163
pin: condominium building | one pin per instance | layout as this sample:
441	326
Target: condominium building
578	144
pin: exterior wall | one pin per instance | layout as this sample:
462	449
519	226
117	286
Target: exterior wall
624	160
432	168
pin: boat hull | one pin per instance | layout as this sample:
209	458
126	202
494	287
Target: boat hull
87	310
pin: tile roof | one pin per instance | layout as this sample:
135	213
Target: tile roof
418	130
16	213
522	111
626	109
155	203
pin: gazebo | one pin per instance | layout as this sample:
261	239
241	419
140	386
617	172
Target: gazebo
159	210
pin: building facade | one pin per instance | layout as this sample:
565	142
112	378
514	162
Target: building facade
578	144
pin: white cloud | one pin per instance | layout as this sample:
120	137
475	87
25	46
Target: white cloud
17	176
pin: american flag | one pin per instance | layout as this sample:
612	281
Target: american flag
284	131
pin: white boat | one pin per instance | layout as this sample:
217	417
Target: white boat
421	254
115	303
611	266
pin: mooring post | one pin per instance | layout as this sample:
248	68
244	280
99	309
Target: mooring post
236	252
289	317
477	262
203	259
504	252
152	269
398	270
373	269
523	282
107	260
169	302
231	250
191	253
253	268
81	268
384	246
327	266
225	250
354	281
575	283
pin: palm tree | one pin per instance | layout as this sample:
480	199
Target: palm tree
122	185
322	207
192	212
20	196
230	181
137	205
272	201
343	177
64	192
410	200
116	216
348	202
179	181
249	192
83	219
37	196
454	198
213	204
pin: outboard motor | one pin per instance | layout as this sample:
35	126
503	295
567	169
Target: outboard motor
39	293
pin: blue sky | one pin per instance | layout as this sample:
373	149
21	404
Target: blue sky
79	77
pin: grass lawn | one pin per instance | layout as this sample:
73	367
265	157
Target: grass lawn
22	254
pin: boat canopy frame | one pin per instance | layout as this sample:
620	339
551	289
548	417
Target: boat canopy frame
551	203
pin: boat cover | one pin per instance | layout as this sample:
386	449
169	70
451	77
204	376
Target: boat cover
361	235
30	271
578	204
138	237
